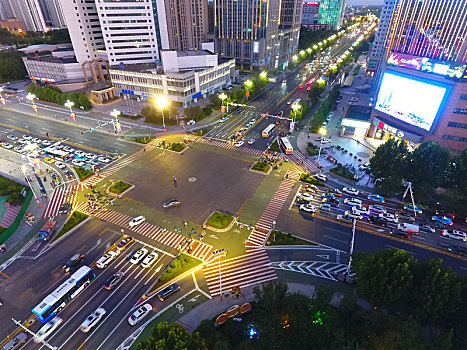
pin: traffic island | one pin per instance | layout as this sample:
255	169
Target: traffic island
261	167
343	172
120	188
144	140
75	219
307	178
83	173
219	222
280	238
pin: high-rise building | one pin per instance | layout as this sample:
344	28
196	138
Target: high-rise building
53	13
310	13
331	12
422	91
252	32
28	11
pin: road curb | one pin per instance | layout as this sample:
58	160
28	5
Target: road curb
51	244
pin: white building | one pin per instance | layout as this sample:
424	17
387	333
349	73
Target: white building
129	31
187	76
28	11
53	13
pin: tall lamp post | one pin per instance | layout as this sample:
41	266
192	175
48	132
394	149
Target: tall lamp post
351	247
70	104
161	102
223	97
31	98
2	99
263	75
248	85
322	132
117	126
218	254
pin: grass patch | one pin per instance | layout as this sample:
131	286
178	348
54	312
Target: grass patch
219	220
119	187
261	166
12	190
280	238
275	147
312	149
201	132
177	147
144	140
344	172
76	218
132	117
179	266
83	173
311	180
2	229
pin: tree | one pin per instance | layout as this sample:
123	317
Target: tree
11	66
315	93
385	277
389	159
194	112
172	337
215	100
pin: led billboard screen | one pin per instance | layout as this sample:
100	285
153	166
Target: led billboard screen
410	100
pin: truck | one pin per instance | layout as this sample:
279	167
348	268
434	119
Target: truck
408	228
47	230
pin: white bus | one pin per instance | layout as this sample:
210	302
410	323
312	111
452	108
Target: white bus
286	145
56	153
268	131
57	300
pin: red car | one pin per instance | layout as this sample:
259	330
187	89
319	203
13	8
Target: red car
448	215
300	88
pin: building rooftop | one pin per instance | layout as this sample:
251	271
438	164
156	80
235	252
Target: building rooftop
356	112
193	53
50	58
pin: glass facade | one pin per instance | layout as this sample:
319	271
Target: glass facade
331	12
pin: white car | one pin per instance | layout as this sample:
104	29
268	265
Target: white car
47	329
377	208
139	314
27	137
106	259
36	140
12	137
353	215
344	218
138	256
46	142
390	217
350	190
92	320
364	166
455	234
239	143
19	149
308	208
7	145
103	160
353	202
79	153
191	122
60	165
306	196
325	140
223	119
321	177
77	163
251	141
136	221
149	260
360	211
90	156
68	149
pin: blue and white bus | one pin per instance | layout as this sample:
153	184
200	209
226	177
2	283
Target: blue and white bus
57	154
57	300
268	131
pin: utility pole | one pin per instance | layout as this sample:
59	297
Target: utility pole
34	334
409	188
347	271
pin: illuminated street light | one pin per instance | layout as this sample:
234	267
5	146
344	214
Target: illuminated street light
70	104
161	102
308	50
248	83
295	57
31	98
263	75
322	131
295	108
218	254
303	53
223	97
315	46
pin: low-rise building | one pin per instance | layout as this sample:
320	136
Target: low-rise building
185	76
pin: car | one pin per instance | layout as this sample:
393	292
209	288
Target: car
332	159
353	215
139	314
79	153
321	177
345	218
190	122
252	121
325	206
376	198
390	217
247	126
442	220
68	174
106	259
427	228
308	208
18	149
360	210
64	208
239	143
448	215
324	140
138	256
60	165
47	329
19	339
73	261
223	119
125	242
455	234
350	190
149	260
77	162
335	192
277	122
399	233
334	202
12	137
92	320
27	137
410	207
103	160
94	162
22	141
353	202
300	87
46	142
113	280
7	145
312	187
171	203
90	156
378	220
406	216
364	166
136	221
289	102
251	141
239	132
305	196
377	208
457	249
168	291
36	140
68	149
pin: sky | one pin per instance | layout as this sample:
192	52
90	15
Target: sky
363	2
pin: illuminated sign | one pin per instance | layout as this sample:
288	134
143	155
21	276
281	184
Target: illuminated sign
311	3
406	61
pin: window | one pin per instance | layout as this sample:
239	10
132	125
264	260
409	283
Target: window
455	138
460	111
457	125
463	97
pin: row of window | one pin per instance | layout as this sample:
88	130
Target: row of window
460	111
457	125
455	138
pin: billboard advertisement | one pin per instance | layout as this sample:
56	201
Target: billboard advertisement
412	100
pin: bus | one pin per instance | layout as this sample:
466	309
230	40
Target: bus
268	131
57	300
56	153
285	145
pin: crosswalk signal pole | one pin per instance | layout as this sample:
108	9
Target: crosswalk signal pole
219	253
34	334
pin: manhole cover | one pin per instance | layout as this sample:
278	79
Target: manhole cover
192	179
363	155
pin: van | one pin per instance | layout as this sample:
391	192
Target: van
408	228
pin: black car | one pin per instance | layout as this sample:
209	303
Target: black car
65	208
172	203
378	220
436	224
68	174
74	260
399	233
406	216
168	291
457	249
113	280
332	201
427	228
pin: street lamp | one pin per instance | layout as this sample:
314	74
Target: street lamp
248	85
31	98
322	132
70	104
295	57
223	96
115	113
354	221
1	97
295	108
161	102
23	168
218	254
263	75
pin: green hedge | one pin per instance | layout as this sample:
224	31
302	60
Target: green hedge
323	111
12	190
261	166
219	220
75	218
312	149
344	172
177	147
274	147
51	93
14	226
144	141
311	180
119	187
83	173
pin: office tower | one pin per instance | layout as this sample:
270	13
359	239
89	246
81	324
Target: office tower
331	12
310	13
28	11
422	91
53	13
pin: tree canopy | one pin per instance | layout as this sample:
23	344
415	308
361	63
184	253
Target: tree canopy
171	337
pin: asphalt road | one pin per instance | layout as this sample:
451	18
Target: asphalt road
38	272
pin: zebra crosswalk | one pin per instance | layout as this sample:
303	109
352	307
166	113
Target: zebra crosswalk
59	196
229	145
298	158
198	250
